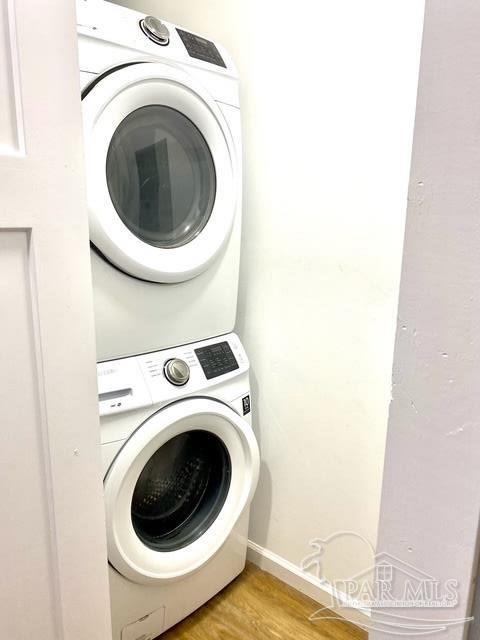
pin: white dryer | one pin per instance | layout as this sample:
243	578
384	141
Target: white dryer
163	167
181	465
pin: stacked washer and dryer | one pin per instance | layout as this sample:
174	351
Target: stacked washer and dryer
163	162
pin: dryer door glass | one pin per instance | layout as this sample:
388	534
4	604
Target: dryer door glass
161	176
181	490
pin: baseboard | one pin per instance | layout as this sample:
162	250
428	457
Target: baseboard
310	585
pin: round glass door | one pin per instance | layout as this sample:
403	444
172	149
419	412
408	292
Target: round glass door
161	176
163	171
176	489
181	490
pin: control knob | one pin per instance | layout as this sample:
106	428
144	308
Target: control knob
176	371
154	29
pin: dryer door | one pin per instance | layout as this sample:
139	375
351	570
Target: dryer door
177	488
161	172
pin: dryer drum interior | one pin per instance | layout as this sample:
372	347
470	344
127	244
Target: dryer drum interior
161	176
181	490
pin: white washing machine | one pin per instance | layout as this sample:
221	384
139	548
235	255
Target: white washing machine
181	465
163	167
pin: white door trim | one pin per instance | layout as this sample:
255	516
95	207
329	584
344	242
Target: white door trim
54	570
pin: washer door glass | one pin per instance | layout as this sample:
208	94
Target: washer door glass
161	176
181	490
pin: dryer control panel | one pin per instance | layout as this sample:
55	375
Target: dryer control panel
167	375
201	48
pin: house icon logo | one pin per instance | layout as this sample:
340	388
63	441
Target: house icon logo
389	592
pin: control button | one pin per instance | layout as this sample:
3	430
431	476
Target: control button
154	29
176	371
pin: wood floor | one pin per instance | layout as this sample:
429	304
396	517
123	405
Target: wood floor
257	606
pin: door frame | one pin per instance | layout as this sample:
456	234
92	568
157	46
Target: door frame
54	570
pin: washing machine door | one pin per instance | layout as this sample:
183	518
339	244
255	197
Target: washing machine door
177	488
161	172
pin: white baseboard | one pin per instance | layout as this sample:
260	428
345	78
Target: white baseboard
319	590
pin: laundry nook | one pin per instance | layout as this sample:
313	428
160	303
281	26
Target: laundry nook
239	278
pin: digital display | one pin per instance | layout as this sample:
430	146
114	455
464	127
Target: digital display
216	359
201	48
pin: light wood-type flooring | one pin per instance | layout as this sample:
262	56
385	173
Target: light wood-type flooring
257	606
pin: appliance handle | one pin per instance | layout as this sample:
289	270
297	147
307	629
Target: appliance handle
115	394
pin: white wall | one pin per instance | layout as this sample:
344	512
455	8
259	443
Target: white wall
328	93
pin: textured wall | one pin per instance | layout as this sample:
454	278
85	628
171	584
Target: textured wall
431	493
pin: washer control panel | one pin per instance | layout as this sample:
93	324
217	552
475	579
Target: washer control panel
216	359
201	48
167	375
